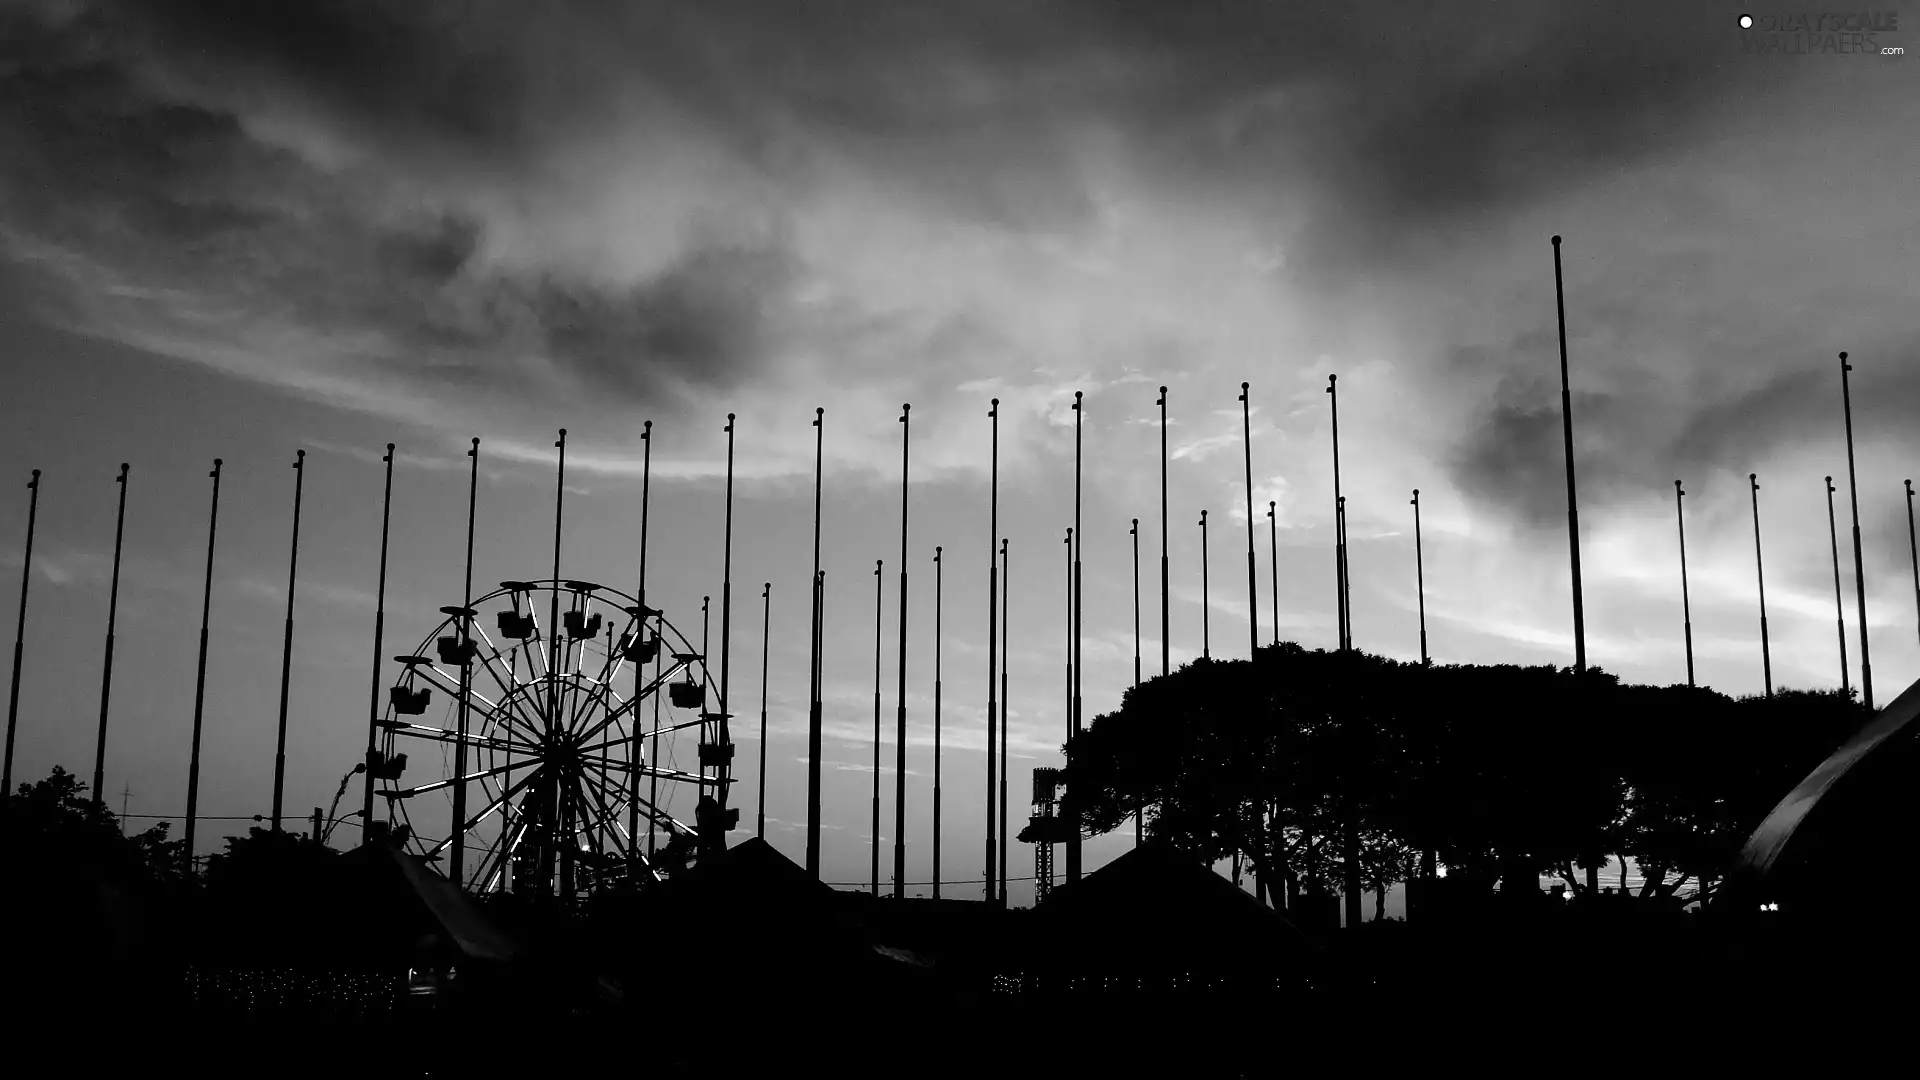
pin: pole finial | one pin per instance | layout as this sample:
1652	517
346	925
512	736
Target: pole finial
299	458
819	414
1556	239
122	478
216	469
646	431
766	590
35	482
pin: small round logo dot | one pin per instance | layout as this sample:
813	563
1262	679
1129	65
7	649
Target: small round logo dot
1746	22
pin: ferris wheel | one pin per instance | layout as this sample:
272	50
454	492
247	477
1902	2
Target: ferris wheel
558	771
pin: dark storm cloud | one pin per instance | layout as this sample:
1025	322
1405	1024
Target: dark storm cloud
135	140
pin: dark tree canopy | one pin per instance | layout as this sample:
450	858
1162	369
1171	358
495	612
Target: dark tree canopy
1500	771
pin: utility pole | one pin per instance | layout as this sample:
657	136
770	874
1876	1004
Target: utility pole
1339	520
724	753
20	634
106	668
1139	826
1766	657
635	756
1859	566
286	648
1839	604
1573	503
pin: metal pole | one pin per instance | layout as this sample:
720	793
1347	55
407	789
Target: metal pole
993	646
1913	549
635	754
200	678
1166	654
1253	590
456	866
900	721
1573	503
374	711
1859	566
1766	657
1339	521
722	772
1073	814
766	644
556	845
1686	603
20	635
939	587
1134	534
106	668
878	586
1420	578
1839	604
1206	610
286	647
1006	637
1273	540
813	667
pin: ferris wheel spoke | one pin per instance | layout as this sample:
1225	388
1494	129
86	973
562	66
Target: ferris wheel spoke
617	765
451	687
447	735
601	693
468	825
408	793
510	687
592	786
633	702
655	815
651	733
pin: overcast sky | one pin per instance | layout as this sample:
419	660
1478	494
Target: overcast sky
235	229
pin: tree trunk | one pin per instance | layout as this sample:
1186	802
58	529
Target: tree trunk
1380	905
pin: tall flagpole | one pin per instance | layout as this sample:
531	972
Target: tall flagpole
379	640
1006	637
900	721
722	770
106	668
1079	665
1166	655
1339	521
286	647
1913	552
1420	578
1273	540
20	636
1253	589
1134	534
1839	604
813	670
456	866
993	647
939	588
1760	574
1859	566
200	678
1686	602
1206	608
878	586
766	644
1573	503
555	845
635	756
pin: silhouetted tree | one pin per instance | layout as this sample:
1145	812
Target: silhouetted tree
1505	772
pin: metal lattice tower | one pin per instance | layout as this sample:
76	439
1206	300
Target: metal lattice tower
1044	830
